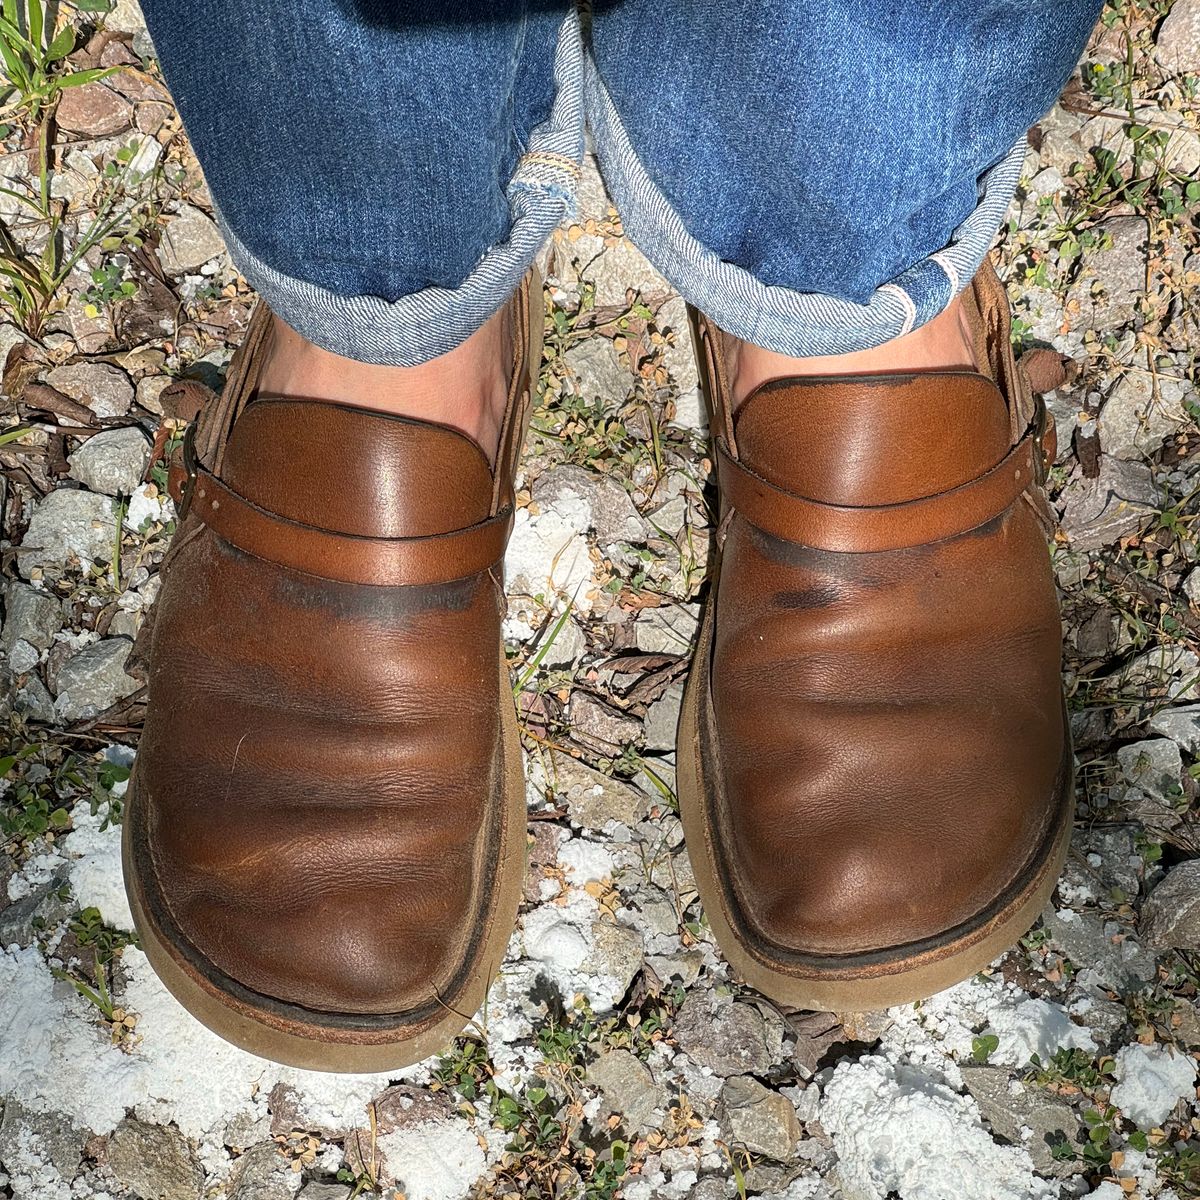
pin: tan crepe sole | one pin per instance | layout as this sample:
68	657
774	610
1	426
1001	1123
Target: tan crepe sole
837	985
317	1047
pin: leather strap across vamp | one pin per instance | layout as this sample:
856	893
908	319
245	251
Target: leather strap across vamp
325	835
875	769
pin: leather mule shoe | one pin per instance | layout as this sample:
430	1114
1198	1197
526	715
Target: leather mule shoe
875	771
325	833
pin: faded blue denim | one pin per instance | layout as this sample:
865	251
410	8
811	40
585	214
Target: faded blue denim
818	177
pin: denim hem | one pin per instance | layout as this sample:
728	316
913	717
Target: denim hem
422	325
798	324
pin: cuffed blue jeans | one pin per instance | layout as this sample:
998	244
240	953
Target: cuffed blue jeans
817	177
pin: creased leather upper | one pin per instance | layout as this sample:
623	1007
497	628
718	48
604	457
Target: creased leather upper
887	726
322	765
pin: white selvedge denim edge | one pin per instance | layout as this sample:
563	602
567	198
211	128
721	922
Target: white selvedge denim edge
799	324
428	323
431	322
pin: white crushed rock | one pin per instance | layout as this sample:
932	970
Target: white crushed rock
585	861
94	881
147	504
47	1031
31	1171
435	1160
1151	1080
38	871
944	1026
548	554
898	1129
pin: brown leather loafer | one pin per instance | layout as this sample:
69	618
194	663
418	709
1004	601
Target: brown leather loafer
325	833
875	771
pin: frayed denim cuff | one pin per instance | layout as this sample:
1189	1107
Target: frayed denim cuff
425	324
798	324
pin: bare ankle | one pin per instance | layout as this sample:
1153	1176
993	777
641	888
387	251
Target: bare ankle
465	389
943	344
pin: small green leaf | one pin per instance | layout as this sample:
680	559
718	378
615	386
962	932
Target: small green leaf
79	78
983	1046
62	45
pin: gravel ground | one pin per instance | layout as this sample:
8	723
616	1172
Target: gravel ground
616	1056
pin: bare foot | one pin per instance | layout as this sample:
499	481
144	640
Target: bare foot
943	344
466	389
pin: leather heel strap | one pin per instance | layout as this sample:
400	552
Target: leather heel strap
872	528
346	558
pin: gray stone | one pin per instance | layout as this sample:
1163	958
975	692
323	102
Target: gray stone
93	110
1111	280
1181	153
1063	405
762	1121
1119	501
30	615
1181	725
34	700
567	648
684	966
68	524
595	724
94	679
21	920
713	1188
727	1037
1177	47
150	389
674	872
806	1101
105	389
617	952
615	520
1061	147
1191	588
594	801
50	1137
1047	182
246	1129
1011	1110
1134	421
262	1173
1079	937
658	915
10	336
190	240
1104	1018
22	657
628	1088
621	268
680	358
1113	964
125	17
155	1162
1110	854
112	462
662	719
1163	672
599	371
322	1191
1155	766
125	624
669	629
772	1181
1171	916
